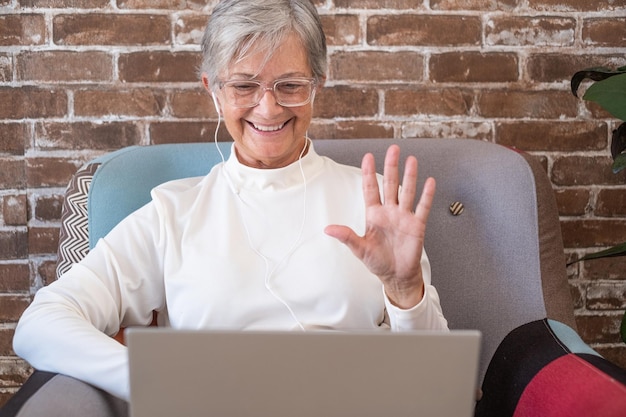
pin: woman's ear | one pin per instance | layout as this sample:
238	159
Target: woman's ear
207	87
205	82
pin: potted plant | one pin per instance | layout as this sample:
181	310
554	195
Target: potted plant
609	91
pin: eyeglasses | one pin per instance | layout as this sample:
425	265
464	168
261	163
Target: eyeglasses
289	92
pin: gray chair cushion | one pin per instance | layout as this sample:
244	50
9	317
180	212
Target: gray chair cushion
47	394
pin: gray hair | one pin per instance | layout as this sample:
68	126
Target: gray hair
235	25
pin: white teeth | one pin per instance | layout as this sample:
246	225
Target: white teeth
268	128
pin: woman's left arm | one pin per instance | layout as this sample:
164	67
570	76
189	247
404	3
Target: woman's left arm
393	243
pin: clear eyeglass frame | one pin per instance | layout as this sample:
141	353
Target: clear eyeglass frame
288	92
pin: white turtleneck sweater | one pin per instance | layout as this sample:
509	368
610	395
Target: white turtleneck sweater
240	248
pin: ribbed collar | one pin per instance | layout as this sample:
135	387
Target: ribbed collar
244	177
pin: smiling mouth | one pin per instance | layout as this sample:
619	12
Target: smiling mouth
268	128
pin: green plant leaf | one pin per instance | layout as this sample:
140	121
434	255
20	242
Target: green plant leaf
595	74
610	94
619	250
618	140
619	163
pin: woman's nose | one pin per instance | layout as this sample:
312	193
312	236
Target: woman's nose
268	102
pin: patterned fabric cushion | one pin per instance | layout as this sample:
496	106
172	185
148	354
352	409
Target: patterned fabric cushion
74	234
572	386
535	372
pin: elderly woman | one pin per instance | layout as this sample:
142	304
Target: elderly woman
276	237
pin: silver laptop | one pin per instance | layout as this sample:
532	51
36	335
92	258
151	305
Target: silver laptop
302	374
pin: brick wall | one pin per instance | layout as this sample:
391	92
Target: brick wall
78	78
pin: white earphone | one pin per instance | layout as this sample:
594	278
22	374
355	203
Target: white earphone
217	105
269	272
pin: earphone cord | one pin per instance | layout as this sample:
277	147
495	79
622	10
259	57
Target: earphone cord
270	272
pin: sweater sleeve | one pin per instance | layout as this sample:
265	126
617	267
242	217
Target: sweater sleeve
426	315
67	327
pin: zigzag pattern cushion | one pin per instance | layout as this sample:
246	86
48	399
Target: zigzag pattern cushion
74	233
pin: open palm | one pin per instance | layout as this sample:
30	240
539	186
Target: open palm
392	245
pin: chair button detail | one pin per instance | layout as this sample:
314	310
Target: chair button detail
456	208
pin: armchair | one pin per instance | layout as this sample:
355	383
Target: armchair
494	244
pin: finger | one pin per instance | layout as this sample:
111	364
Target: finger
426	200
409	184
346	236
371	193
390	175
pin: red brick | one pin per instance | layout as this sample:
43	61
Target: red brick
125	29
613	268
43	240
12	307
376	66
76	4
482	5
535	31
596	111
591	233
474	67
551	67
13	371
377	4
431	30
134	102
12	137
12	174
575	5
611	202
13	244
189	29
527	104
615	354
599	328
350	130
6	67
573	202
159	67
22	29
6	342
341	29
577	296
14	278
419	101
86	135
51	172
605	32
32	102
161	4
447	130
15	210
48	207
183	132
607	296
553	136
585	170
192	103
47	272
60	66
339	101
